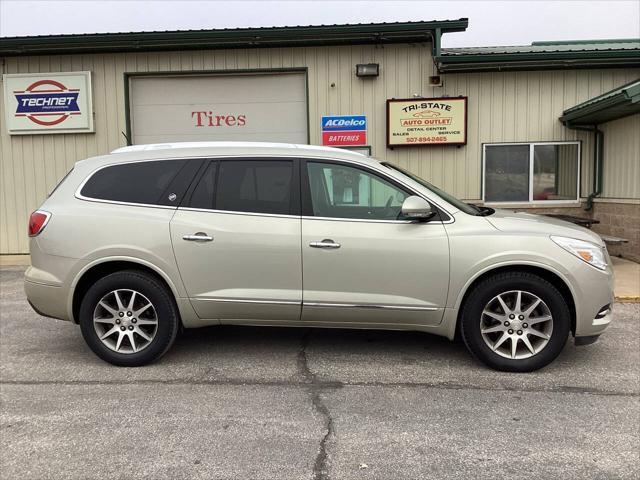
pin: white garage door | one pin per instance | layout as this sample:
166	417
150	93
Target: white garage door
257	107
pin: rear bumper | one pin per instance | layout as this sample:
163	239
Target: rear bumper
46	300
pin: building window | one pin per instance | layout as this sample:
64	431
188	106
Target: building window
531	172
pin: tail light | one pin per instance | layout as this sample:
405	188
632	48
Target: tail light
37	221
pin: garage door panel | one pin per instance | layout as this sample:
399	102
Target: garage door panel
237	137
218	88
219	107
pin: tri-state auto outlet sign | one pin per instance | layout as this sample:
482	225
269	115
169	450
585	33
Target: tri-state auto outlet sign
39	103
427	121
344	130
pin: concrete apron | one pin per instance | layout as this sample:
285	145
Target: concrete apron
627	280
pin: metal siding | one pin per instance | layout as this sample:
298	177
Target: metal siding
621	169
509	107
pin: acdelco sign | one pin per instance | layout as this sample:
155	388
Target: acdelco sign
48	103
348	123
344	130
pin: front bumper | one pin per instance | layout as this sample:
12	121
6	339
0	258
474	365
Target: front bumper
598	325
594	302
580	341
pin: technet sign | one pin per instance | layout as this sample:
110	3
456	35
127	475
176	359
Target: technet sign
56	102
344	130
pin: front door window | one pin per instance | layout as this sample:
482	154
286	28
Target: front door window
341	191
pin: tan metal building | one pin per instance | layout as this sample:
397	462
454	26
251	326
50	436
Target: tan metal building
533	112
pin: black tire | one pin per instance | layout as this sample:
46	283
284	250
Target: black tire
500	283
162	300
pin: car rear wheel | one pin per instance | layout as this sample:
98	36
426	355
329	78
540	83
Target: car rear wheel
128	318
516	321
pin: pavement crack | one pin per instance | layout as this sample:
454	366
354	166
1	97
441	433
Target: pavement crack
316	387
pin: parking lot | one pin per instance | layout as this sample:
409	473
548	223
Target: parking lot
258	403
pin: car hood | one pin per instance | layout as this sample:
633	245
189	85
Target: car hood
520	222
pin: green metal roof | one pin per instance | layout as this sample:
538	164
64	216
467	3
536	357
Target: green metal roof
607	41
543	55
617	103
296	36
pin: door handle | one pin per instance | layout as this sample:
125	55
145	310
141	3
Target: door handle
198	237
326	243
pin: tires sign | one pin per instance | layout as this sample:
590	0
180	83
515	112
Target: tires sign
344	130
48	103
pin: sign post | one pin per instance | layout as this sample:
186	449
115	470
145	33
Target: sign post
426	121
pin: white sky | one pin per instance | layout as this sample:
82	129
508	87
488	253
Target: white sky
490	22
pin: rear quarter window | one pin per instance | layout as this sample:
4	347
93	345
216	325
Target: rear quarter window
146	182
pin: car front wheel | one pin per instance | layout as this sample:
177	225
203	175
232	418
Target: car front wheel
516	321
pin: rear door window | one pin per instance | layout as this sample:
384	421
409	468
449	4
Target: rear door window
256	186
202	195
157	182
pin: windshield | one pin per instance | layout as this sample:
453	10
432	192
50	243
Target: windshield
459	204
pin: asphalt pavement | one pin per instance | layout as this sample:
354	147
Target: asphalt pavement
284	403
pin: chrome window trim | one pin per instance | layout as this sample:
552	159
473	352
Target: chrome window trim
291	155
129	204
364	220
233	212
298	217
369	305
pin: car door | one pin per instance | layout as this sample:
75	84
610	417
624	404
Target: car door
362	263
236	240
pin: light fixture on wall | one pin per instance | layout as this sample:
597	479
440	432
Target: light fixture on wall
367	70
435	81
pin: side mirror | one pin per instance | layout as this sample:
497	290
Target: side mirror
417	208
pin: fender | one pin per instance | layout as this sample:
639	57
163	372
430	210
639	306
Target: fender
563	275
121	258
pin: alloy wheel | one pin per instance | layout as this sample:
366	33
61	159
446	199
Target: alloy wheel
516	324
125	321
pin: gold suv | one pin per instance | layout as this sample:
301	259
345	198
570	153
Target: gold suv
134	244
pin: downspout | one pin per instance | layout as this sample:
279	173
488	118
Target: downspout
598	160
436	42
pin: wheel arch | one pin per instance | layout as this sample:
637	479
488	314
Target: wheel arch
99	270
552	277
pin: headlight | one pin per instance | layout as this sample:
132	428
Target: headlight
589	252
